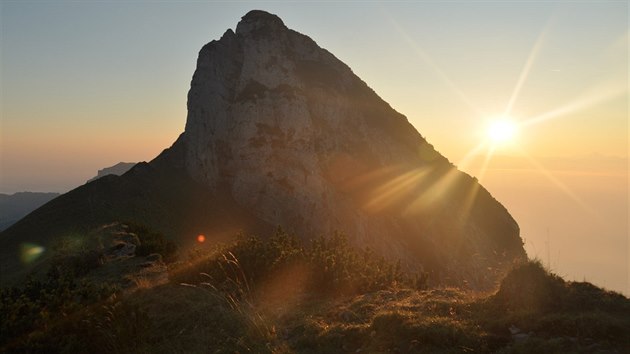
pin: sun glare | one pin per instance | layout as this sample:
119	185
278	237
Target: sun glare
502	130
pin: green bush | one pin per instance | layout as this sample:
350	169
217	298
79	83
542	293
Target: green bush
152	242
339	267
40	305
112	327
245	262
332	265
529	287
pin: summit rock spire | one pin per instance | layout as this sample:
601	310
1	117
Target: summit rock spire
294	134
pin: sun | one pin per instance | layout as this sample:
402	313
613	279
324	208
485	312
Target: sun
502	130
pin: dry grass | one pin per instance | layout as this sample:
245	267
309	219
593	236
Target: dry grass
259	300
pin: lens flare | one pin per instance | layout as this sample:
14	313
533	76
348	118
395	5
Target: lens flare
201	238
30	252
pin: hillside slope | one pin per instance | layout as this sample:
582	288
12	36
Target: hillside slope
15	206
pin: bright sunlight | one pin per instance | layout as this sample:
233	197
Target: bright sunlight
502	130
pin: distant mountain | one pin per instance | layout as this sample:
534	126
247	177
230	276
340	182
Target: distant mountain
118	169
16	206
13	207
281	132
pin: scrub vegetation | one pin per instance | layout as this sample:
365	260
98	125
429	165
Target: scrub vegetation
279	295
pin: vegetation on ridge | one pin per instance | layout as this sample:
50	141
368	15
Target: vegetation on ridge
325	266
280	296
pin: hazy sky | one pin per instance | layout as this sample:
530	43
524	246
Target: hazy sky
85	85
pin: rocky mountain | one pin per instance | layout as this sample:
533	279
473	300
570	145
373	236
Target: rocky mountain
280	132
118	169
15	206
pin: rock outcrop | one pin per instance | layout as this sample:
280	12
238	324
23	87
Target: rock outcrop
286	134
118	169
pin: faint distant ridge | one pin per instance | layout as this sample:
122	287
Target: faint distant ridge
15	206
118	170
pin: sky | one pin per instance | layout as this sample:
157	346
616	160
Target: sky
84	85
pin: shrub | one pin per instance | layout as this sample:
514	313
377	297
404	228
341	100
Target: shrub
153	242
529	287
40	305
247	261
331	264
339	267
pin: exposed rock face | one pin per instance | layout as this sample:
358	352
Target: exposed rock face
299	139
269	111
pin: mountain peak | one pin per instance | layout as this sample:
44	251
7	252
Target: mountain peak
281	132
297	138
257	21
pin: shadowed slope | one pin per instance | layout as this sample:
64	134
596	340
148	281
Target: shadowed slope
157	194
15	206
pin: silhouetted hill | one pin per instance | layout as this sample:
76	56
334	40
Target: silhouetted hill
118	169
157	194
15	206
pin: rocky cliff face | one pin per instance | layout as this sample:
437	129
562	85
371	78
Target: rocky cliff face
302	142
280	132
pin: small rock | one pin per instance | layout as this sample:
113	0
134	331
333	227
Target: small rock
122	249
514	330
348	316
146	264
520	337
154	257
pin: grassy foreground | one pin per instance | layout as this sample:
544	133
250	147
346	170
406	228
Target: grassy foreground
278	296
